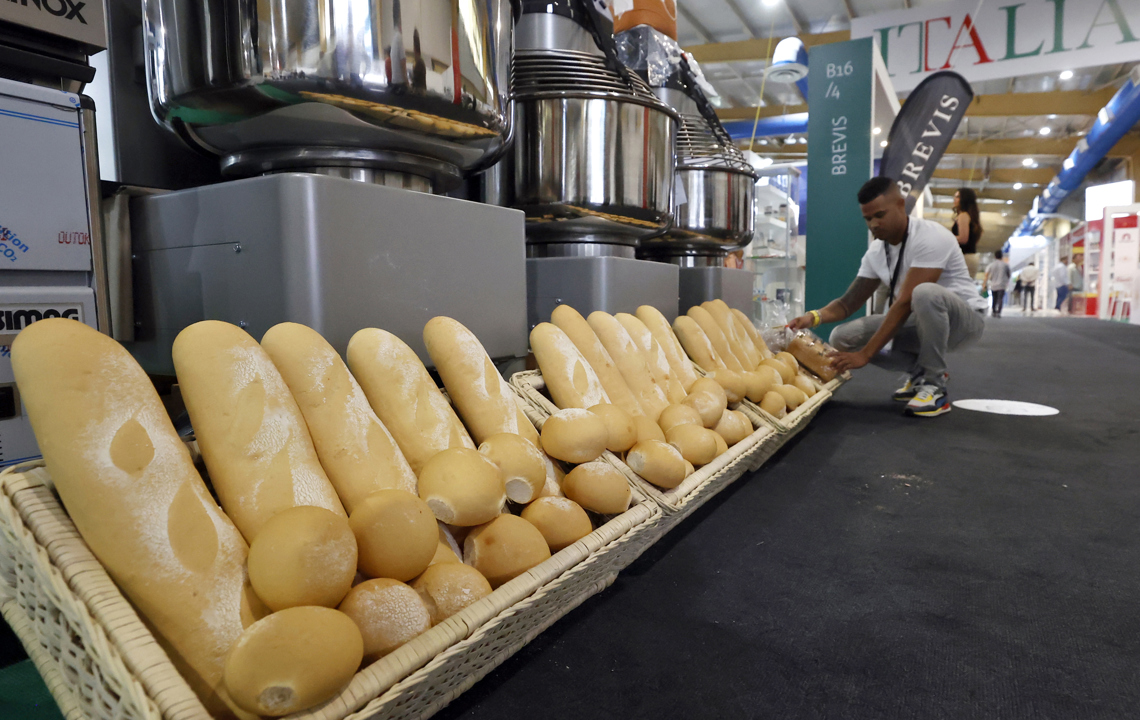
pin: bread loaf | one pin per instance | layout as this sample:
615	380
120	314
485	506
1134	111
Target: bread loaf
293	660
388	614
675	415
570	380
721	313
571	322
356	451
463	487
482	397
396	534
505	548
405	397
647	429
709	399
658	462
696	344
812	354
721	444
598	487
793	396
127	482
727	319
760	381
746	323
574	435
716	337
654	356
773	404
249	429
679	363
734	384
560	520
786	373
630	362
805	384
734	426
621	430
447	589
303	556
524	470
696	443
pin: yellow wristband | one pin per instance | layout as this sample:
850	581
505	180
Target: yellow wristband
815	317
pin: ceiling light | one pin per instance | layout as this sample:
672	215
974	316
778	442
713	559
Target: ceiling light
1008	202
1052	117
803	141
763	142
1017	186
772	3
1045	130
1066	75
883	143
877	130
1028	162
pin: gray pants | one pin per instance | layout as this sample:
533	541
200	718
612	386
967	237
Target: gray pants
939	321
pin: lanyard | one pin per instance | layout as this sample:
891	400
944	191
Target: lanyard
898	262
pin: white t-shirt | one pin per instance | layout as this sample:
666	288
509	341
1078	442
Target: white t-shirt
1028	275
1060	274
928	245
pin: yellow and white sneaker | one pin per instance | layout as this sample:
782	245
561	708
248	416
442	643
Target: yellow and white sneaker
929	401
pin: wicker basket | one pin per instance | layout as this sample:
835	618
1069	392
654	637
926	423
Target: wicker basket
99	660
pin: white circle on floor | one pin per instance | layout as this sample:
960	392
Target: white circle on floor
1006	407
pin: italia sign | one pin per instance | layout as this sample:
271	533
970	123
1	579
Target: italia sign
1002	38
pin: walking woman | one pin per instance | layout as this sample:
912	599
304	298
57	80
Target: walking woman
967	227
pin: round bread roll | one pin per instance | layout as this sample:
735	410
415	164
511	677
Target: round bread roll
734	383
721	445
396	534
621	429
761	381
786	373
805	384
574	435
560	520
598	486
734	426
689	469
292	660
696	443
524	470
304	555
658	462
788	359
388	613
444	553
447	589
463	487
554	475
793	396
505	548
773	404
709	399
675	415
648	430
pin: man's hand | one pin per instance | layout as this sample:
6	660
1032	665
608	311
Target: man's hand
803	322
843	361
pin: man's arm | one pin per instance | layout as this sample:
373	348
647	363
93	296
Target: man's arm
843	307
894	320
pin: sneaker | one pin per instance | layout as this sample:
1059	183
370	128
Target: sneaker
908	391
929	401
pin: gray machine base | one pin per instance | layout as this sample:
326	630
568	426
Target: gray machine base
333	254
610	284
700	284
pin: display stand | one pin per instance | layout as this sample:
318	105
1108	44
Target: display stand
1119	262
773	257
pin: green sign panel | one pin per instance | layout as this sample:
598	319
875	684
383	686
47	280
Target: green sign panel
839	162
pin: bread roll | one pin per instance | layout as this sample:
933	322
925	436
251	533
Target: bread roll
598	487
524	470
554	475
675	415
773	404
396	534
696	443
388	613
750	329
303	556
648	430
446	549
483	399
250	431
355	449
621	430
560	520
734	383
716	337
570	380
734	426
793	396
505	548
293	660
571	322
789	359
574	435
658	462
786	373
405	397
689	469
696	344
805	384
709	399
721	444
720	312
679	363
463	487
447	589
760	381
127	482
654	356
630	362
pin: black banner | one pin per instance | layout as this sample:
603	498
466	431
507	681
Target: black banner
923	130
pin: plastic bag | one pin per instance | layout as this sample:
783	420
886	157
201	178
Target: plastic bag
651	54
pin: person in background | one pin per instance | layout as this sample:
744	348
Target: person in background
1017	288
1061	280
967	227
1028	279
1076	280
997	281
934	305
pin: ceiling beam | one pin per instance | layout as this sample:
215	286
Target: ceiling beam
756	48
1024	195
692	20
850	12
1040	176
734	6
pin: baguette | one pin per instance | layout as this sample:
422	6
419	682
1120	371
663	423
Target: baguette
571	381
586	340
634	370
679	362
738	340
696	344
654	356
715	336
753	333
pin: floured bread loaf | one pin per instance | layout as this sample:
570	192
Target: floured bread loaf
654	356
127	482
505	548
396	534
574	435
524	470
249	429
560	520
750	329
696	344
620	427
447	589
571	381
463	487
720	312
355	449
599	487
303	556
483	398
404	397
650	395
388	614
709	399
571	322
679	362
716	337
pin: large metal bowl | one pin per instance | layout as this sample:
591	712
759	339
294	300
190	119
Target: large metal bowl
413	86
715	217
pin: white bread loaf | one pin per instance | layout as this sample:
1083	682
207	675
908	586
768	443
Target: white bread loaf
574	435
654	356
697	344
447	589
571	322
599	487
570	380
505	548
734	383
679	362
357	452
463	487
720	312
647	429
129	485
709	399
805	384
789	359
396	535
786	373
293	660
404	397
388	614
760	381
249	429
522	463
696	443
734	426
630	362
746	323
621	430
773	404
658	462
793	396
716	337
675	415
303	556
484	400
560	520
